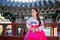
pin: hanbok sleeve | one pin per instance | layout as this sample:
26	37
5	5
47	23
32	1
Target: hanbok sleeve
28	24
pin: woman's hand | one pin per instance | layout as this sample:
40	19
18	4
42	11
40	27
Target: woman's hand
34	29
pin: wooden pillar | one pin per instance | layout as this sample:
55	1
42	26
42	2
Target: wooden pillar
13	28
55	28
22	30
55	31
4	32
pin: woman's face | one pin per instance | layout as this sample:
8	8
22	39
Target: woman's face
34	13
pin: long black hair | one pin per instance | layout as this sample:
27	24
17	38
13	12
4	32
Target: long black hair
37	15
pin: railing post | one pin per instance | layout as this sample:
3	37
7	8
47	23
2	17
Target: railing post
13	28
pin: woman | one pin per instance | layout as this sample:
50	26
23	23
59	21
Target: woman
35	25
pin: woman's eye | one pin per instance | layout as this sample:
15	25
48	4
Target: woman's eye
32	11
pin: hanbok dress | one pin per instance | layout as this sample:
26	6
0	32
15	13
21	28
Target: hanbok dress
35	31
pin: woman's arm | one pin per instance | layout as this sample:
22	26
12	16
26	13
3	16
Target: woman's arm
28	23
